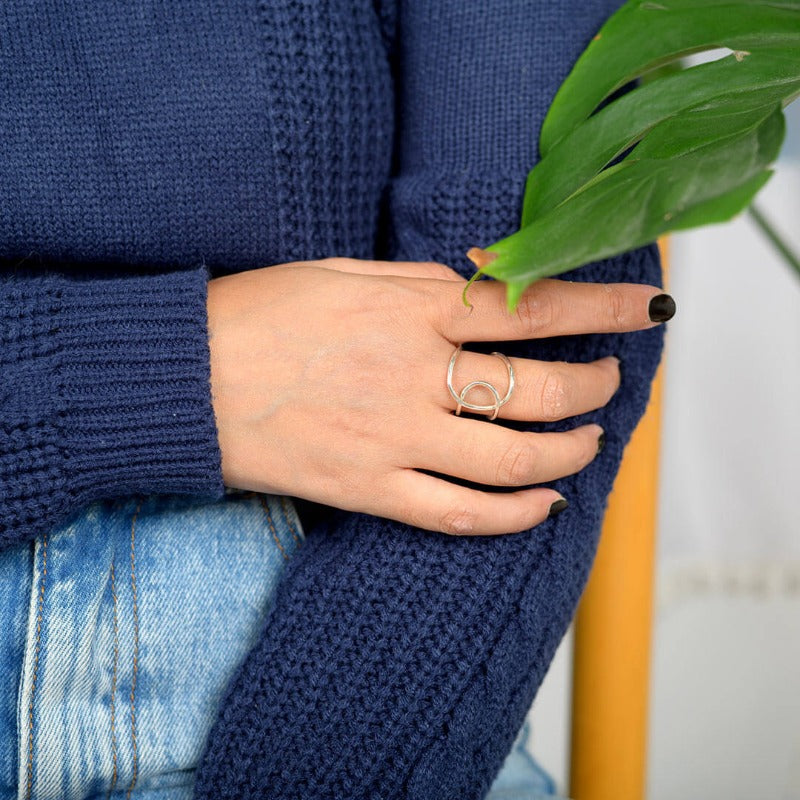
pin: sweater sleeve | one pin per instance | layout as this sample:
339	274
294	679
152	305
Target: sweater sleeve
105	392
396	662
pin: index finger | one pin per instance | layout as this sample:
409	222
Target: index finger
549	307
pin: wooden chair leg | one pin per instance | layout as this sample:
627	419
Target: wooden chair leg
613	628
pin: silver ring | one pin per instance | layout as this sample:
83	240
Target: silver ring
460	397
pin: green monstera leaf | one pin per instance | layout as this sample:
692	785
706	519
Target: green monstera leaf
699	139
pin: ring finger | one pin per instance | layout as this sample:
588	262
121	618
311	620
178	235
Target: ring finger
544	391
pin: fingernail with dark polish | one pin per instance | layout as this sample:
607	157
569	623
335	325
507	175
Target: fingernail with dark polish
557	507
661	308
601	442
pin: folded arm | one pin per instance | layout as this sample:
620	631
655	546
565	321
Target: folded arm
396	662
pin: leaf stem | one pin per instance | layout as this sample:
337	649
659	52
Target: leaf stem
480	258
464	300
777	241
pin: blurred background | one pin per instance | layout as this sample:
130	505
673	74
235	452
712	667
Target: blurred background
724	717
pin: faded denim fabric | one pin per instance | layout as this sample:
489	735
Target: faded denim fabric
120	632
521	777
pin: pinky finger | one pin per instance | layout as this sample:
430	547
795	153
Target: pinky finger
438	505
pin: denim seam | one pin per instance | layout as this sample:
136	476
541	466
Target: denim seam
290	519
135	651
37	648
265	506
114	682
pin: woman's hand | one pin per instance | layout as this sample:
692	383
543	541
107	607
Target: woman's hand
328	383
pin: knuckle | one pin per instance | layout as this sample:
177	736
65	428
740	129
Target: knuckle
617	306
536	311
380	295
442	306
332	262
439	270
516	466
458	521
555	396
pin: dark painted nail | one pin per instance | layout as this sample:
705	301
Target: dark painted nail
601	442
557	508
661	308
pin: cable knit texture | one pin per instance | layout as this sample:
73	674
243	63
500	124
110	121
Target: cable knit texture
149	146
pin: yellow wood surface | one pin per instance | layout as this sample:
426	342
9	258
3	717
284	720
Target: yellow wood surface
613	628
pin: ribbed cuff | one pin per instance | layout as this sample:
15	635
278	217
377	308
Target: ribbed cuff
134	380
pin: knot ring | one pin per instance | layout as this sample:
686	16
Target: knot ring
460	397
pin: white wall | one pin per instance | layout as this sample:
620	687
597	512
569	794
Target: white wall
725	717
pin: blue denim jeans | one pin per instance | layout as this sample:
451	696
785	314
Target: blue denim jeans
121	630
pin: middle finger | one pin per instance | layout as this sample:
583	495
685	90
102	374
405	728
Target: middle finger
544	391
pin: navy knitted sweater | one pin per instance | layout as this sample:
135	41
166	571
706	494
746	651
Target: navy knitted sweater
146	147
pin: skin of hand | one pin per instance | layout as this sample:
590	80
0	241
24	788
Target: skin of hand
328	383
